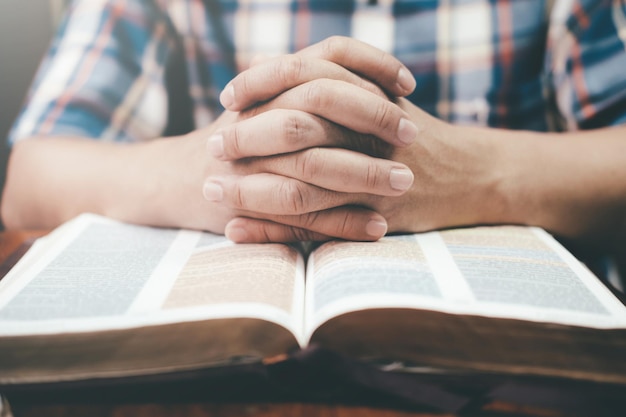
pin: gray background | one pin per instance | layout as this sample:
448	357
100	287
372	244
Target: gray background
26	27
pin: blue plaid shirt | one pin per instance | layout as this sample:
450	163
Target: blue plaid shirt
125	70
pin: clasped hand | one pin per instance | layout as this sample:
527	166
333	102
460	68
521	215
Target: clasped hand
318	145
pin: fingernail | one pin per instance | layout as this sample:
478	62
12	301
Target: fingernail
400	179
407	131
376	228
212	191
215	145
406	81
237	234
227	98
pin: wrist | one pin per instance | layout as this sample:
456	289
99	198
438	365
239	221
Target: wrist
566	183
518	180
169	174
491	182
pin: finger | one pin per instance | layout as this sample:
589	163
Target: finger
348	106
340	170
382	68
278	131
274	132
271	77
271	194
349	223
246	230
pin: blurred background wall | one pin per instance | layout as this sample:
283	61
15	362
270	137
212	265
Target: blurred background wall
26	27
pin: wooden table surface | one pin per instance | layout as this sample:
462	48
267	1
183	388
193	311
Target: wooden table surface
13	245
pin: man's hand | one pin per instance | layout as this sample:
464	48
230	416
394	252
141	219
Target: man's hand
296	145
337	58
308	189
314	105
456	183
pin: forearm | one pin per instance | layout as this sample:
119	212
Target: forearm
50	180
572	184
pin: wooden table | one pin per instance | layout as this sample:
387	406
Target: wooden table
13	245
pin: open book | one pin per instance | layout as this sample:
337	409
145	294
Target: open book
97	299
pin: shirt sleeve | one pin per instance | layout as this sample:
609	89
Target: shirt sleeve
103	76
586	62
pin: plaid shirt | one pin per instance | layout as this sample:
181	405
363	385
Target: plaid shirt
123	69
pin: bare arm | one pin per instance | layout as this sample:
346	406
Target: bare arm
573	184
50	180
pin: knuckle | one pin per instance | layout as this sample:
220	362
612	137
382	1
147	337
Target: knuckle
289	70
238	197
233	143
310	220
310	164
373	176
383	116
315	95
335	46
293	196
264	232
346	226
293	128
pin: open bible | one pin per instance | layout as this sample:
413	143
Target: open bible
98	298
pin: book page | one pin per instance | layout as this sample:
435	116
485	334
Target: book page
508	271
349	276
256	280
525	273
98	274
99	271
